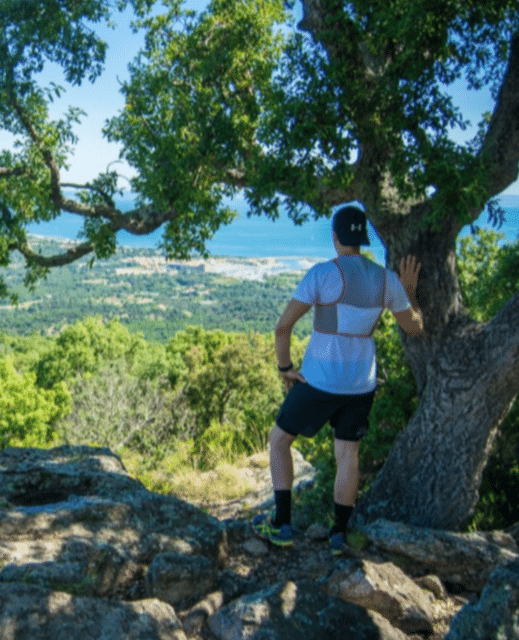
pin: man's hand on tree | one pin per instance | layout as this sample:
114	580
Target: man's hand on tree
409	270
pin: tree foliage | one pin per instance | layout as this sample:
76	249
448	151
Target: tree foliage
81	349
186	143
28	414
488	272
206	73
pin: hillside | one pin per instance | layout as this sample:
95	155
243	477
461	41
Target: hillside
155	296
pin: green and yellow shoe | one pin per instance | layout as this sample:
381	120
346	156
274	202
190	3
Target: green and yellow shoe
282	536
337	541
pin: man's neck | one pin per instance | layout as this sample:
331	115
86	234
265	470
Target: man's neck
348	251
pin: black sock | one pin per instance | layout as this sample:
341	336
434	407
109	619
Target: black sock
283	498
342	515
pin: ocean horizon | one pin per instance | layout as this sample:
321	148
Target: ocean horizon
260	237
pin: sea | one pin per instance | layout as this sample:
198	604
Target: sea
258	236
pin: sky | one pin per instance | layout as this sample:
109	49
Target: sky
102	100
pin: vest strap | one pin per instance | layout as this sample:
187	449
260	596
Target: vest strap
325	320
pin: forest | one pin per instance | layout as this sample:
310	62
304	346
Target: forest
201	397
152	301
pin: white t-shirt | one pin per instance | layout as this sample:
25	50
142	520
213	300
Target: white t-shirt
340	364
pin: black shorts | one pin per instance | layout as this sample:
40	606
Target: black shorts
306	409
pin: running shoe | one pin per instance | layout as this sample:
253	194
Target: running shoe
337	541
282	536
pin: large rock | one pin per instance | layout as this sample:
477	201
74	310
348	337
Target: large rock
496	615
298	611
464	559
385	588
72	518
29	612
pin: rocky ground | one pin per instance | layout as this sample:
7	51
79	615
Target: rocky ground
261	563
86	552
309	559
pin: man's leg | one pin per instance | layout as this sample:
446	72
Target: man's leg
281	464
346	482
282	473
279	531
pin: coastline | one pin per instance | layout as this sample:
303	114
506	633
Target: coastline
240	268
231	267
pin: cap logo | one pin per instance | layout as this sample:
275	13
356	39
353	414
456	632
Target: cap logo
357	227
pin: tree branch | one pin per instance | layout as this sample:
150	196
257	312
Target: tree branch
59	260
500	148
6	172
141	221
88	187
46	153
138	222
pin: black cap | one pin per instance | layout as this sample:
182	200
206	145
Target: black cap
350	226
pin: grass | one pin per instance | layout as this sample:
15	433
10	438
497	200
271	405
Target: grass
175	475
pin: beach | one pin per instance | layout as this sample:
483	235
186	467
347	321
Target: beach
231	267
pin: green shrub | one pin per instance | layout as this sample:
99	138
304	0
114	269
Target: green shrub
85	346
113	408
28	414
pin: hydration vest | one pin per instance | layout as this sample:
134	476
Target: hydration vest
357	310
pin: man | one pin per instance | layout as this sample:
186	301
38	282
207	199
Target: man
338	376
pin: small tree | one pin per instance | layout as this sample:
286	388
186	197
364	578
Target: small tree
82	348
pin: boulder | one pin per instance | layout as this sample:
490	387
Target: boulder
30	611
496	615
462	559
72	518
383	587
298	611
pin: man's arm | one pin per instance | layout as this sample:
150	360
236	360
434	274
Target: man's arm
294	310
411	320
